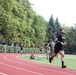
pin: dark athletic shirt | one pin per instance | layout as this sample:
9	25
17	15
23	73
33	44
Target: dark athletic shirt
61	38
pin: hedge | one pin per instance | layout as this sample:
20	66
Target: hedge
15	49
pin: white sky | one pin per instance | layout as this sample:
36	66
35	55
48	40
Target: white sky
63	9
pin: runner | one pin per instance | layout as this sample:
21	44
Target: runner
59	47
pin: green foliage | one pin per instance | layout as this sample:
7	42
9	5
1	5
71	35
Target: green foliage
19	23
70	39
53	28
16	49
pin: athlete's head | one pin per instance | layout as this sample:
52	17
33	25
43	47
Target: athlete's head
62	30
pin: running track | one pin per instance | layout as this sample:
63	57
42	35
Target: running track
11	65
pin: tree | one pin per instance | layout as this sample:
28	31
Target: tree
19	23
50	27
57	25
53	28
39	27
70	39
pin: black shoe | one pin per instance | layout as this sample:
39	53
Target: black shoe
64	66
50	59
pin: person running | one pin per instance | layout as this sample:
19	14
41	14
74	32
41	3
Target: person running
59	47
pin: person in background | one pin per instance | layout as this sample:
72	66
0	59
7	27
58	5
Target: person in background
40	50
32	55
47	51
5	47
59	47
21	48
52	47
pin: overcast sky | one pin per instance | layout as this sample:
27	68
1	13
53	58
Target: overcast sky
65	10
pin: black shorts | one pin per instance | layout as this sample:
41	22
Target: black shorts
58	47
21	48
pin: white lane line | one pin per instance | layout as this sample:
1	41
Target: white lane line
3	73
21	69
38	67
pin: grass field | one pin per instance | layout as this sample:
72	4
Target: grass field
70	60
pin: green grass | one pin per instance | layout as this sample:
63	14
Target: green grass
70	61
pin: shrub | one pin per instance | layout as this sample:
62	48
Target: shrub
15	49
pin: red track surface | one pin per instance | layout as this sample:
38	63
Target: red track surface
11	65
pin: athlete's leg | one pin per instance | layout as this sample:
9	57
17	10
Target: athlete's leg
62	58
21	52
51	58
47	55
54	54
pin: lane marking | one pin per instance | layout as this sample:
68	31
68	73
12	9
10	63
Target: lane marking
21	69
37	66
3	73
